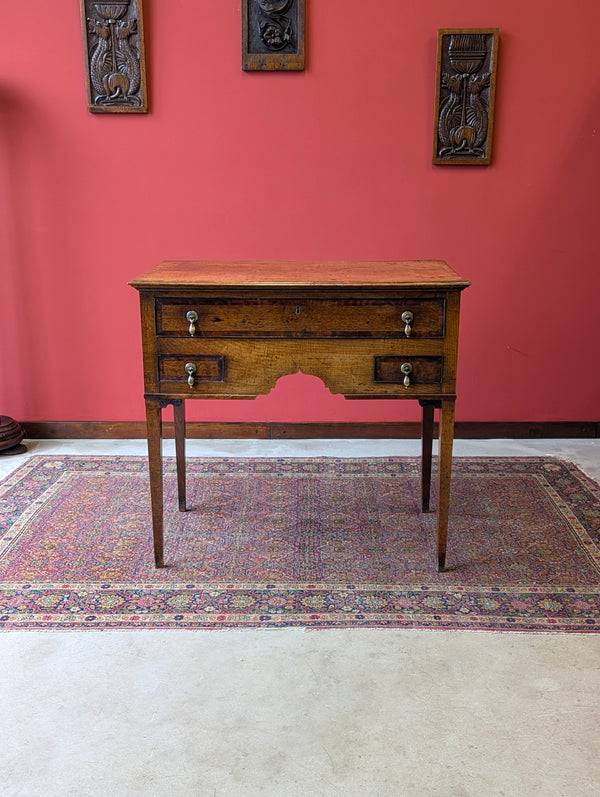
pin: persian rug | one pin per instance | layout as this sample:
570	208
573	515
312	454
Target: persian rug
317	543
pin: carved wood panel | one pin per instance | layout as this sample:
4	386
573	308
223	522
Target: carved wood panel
113	40
465	91
273	33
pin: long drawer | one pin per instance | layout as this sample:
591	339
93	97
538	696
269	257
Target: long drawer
301	317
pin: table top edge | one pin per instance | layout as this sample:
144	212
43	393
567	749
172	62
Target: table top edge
300	274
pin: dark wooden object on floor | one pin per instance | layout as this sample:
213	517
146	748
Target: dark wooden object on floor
367	330
11	435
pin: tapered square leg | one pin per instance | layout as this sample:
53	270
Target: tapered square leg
445	473
179	419
154	432
426	450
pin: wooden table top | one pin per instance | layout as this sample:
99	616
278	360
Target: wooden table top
381	273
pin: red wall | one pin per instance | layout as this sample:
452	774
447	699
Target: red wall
332	163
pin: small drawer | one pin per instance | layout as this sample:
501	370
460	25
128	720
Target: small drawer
408	371
191	368
301	318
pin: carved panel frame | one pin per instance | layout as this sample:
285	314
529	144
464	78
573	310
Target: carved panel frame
115	62
465	96
273	35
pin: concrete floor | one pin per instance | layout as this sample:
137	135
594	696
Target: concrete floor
294	713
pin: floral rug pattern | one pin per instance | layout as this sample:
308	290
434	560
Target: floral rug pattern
319	543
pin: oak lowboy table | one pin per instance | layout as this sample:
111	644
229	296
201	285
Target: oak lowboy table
368	330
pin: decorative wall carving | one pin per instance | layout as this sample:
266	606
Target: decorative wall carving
465	89
273	34
113	37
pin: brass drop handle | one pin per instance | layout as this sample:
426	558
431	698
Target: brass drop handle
407	317
190	369
406	369
192	317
